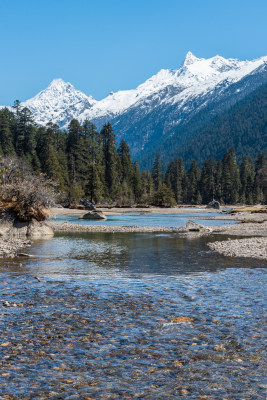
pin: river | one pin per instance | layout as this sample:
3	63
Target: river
132	316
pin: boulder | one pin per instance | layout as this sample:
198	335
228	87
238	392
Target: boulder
214	204
87	204
34	229
194	227
94	215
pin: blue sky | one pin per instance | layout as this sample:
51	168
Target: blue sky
102	46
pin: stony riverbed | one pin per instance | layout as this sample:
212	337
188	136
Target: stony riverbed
197	338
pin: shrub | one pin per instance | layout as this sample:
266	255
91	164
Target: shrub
27	195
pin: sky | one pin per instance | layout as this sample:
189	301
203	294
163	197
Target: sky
110	45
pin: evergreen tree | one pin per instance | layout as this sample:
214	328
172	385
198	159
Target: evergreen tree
74	150
193	192
23	125
94	187
230	180
208	181
157	173
218	184
247	174
49	159
111	162
163	197
6	138
137	182
174	178
260	185
147	186
126	171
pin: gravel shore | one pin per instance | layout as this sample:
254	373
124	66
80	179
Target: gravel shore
72	227
253	247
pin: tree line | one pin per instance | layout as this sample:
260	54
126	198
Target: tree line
88	163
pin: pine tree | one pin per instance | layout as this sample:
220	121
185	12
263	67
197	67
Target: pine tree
193	192
74	149
174	178
94	162
54	168
208	181
157	173
23	125
126	171
6	138
111	162
147	186
137	182
247	175
230	180
218	184
260	186
163	197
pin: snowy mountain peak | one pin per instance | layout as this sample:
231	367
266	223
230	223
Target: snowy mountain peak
59	84
196	78
190	58
59	102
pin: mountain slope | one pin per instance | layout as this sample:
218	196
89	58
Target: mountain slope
166	108
243	127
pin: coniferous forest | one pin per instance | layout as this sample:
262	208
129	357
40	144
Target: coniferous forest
87	163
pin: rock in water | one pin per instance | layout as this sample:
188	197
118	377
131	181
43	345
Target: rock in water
94	215
194	227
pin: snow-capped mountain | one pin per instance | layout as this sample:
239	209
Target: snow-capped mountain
168	104
59	103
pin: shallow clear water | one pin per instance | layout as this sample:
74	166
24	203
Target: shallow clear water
148	219
124	256
101	323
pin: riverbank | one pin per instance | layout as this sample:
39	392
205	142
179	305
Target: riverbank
119	211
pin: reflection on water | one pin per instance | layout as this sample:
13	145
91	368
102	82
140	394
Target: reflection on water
89	256
148	219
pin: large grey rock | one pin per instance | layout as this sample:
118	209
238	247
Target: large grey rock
87	204
94	215
194	227
31	230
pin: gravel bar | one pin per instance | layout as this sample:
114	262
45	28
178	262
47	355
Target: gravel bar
72	227
253	247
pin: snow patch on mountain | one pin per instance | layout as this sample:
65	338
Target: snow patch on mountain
58	103
196	78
